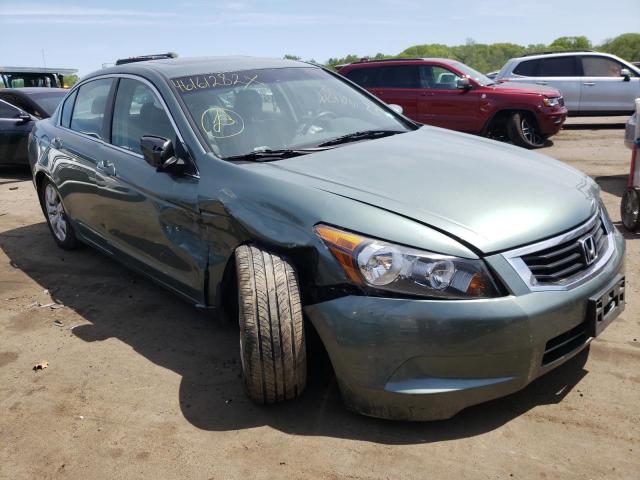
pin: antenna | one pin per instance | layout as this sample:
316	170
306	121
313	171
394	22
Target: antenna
44	60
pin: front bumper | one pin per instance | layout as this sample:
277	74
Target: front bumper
551	119
413	359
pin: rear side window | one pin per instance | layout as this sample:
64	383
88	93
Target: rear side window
138	112
365	77
601	67
67	108
90	106
400	76
558	67
527	68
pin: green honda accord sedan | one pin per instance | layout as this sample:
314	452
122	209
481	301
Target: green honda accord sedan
438	269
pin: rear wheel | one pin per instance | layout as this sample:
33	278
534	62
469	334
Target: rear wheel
524	132
630	209
56	216
272	342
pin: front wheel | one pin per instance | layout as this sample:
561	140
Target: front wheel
56	216
630	209
272	342
524	132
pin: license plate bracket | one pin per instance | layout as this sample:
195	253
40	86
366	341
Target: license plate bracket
605	306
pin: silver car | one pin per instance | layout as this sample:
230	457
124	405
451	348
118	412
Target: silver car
592	83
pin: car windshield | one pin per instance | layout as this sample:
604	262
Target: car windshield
481	78
48	100
241	113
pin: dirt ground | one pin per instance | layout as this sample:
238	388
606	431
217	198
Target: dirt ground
142	385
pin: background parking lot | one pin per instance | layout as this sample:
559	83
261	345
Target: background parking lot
141	384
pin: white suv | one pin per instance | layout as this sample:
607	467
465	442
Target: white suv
592	83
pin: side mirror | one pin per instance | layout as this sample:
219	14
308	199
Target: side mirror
396	108
23	118
160	154
464	83
626	74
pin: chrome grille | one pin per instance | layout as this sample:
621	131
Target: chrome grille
560	262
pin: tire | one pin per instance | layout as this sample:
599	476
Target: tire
523	131
630	209
56	216
272	341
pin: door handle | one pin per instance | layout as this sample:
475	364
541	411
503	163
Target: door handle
106	168
541	83
56	143
589	84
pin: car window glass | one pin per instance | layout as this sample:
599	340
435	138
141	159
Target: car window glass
89	110
527	68
439	78
67	108
601	67
365	77
400	76
558	67
138	112
8	111
23	105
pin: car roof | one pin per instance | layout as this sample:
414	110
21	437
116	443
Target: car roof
28	91
448	61
184	66
535	56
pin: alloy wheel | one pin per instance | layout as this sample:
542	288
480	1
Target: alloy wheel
530	133
630	209
55	213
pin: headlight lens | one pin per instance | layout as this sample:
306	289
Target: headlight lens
396	268
551	102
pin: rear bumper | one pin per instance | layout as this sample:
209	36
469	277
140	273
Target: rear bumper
551	119
427	360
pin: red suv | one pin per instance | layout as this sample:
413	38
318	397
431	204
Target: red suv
447	93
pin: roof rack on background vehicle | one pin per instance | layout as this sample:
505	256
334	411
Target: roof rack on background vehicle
549	52
144	58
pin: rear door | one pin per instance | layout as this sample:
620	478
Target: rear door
14	135
76	151
399	85
151	217
604	90
443	104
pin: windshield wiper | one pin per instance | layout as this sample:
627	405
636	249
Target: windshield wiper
355	136
265	155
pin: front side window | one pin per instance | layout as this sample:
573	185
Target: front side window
439	78
138	112
239	113
469	72
90	106
8	111
558	67
601	67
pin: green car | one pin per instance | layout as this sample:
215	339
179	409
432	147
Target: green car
439	270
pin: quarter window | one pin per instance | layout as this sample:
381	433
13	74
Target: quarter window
138	112
89	110
8	111
600	67
67	108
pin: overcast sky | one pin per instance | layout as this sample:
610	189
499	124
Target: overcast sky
84	34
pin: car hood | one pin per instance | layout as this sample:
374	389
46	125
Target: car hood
520	88
486	194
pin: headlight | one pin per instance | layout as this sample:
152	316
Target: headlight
385	266
551	102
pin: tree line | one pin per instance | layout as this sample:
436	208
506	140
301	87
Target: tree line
489	57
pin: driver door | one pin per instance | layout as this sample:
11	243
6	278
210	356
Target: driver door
14	134
151	217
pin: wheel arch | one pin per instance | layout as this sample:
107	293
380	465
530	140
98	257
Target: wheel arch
503	114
